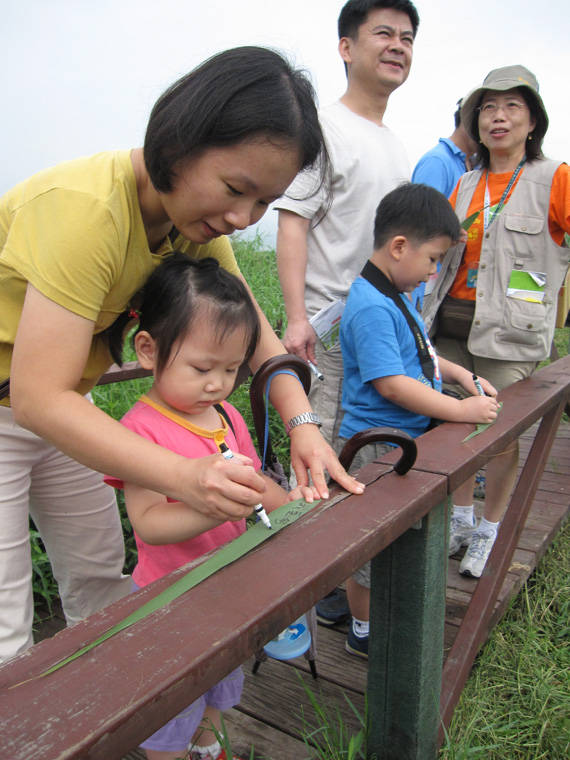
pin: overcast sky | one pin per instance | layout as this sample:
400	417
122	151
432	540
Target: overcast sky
81	76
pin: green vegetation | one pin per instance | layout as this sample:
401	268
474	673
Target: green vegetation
516	702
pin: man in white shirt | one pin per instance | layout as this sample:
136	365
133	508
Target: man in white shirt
325	234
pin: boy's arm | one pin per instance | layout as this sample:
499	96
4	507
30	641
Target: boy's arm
158	521
458	375
416	397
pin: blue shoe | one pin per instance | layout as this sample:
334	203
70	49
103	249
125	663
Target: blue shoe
333	608
357	645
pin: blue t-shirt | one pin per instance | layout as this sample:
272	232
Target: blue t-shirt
441	167
376	341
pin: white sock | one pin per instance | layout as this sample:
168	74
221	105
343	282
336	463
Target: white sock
488	527
361	628
465	513
212	751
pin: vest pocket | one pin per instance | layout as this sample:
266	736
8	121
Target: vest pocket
520	238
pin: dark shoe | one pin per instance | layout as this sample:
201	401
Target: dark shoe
357	645
333	608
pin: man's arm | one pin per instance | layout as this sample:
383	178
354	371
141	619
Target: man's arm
292	257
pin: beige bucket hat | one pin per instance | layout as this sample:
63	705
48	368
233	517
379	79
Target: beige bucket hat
500	80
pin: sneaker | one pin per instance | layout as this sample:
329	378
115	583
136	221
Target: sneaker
479	490
221	756
333	608
357	645
460	532
477	554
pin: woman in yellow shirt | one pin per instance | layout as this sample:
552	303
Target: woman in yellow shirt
77	243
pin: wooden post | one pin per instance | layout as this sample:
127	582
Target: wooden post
407	613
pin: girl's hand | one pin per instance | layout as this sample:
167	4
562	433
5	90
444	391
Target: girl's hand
311	453
478	409
308	493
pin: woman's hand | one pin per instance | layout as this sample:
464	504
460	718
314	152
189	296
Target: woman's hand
219	488
310	453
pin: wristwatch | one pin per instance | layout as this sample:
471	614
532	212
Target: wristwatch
302	419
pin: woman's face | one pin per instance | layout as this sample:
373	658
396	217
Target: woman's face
505	122
230	188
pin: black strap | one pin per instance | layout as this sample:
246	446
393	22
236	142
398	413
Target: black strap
222	412
4	388
379	280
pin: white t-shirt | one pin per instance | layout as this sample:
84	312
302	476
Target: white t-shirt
367	162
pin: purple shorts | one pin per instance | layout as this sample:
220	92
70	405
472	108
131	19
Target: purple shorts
177	734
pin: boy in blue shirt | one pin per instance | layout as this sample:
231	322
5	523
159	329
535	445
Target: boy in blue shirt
392	375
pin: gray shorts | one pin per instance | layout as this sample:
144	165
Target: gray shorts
363	457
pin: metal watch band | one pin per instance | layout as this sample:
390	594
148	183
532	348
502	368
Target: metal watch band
302	419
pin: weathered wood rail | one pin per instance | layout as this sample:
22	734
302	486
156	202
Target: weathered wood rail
103	704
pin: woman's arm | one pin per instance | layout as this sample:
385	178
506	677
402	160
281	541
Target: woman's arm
309	450
50	353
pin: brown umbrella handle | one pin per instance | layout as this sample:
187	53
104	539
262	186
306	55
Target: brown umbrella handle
377	435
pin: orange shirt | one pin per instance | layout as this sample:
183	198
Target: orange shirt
465	283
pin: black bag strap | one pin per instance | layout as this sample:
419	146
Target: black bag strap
4	388
222	412
379	280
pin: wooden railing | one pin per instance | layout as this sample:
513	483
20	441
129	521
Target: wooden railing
103	704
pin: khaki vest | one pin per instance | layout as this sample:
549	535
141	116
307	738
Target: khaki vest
508	328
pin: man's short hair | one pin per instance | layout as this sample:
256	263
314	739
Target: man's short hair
416	211
457	114
355	12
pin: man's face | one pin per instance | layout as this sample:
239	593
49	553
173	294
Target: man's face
381	56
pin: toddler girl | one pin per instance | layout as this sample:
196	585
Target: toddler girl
197	326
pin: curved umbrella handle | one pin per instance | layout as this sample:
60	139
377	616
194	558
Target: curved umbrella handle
377	435
257	390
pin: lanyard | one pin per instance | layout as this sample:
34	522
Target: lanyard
488	217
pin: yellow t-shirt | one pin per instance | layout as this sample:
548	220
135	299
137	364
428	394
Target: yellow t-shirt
75	232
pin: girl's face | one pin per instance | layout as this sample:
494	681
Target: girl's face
200	372
230	188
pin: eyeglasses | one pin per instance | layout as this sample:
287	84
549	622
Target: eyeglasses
512	107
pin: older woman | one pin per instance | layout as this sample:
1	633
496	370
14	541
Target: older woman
496	295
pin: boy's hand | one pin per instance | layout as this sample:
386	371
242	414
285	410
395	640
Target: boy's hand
479	409
308	493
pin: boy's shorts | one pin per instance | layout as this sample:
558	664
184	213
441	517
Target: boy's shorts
363	457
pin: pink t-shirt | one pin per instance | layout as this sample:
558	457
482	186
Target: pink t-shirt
172	432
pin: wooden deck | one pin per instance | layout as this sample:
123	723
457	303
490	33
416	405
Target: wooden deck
273	703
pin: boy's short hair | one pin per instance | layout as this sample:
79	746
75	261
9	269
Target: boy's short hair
418	212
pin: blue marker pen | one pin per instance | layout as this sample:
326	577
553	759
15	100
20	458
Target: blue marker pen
227	453
478	385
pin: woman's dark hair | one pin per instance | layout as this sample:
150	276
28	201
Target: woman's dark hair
243	93
355	12
178	292
418	212
533	147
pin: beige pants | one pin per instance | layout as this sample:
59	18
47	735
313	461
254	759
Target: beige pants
77	517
